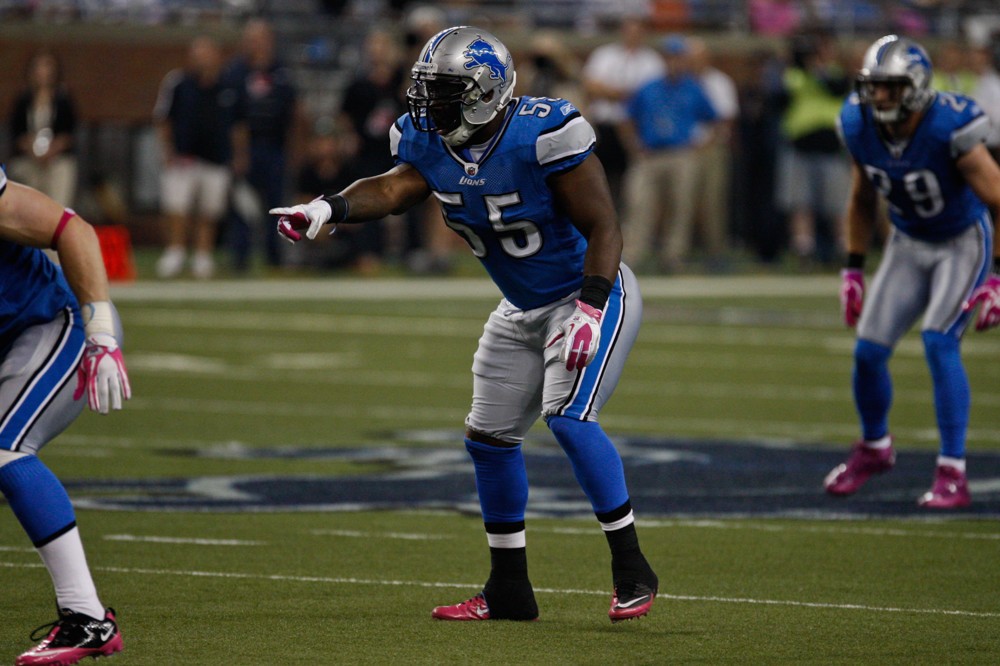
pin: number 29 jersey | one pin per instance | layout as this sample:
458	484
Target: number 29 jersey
500	202
928	197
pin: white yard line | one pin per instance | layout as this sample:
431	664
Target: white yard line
359	534
330	580
134	538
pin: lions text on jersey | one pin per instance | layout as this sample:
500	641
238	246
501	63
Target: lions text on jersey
499	201
928	197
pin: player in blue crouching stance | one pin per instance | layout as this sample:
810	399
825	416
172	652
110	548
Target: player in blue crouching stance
517	178
59	341
923	151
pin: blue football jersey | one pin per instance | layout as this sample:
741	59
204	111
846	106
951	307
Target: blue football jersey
32	288
501	204
928	197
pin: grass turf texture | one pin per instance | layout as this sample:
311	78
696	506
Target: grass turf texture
345	373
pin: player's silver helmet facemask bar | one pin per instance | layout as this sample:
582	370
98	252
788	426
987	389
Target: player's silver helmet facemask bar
462	79
904	66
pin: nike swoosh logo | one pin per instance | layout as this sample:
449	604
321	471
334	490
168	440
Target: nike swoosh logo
633	602
480	611
107	633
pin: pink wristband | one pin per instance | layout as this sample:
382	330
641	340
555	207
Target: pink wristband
67	214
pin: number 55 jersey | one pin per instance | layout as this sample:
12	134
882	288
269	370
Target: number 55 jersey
928	197
497	198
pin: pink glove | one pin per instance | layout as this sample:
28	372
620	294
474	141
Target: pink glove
852	294
102	374
581	335
987	297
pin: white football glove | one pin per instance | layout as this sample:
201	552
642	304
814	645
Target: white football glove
581	336
311	217
102	375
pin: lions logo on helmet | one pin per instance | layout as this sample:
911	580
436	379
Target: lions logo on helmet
482	54
463	77
902	66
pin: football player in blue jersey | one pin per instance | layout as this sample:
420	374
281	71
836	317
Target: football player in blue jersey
59	340
923	151
517	178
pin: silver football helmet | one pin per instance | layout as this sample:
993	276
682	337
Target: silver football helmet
903	66
462	79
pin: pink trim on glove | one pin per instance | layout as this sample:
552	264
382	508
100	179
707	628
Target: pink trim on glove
581	335
987	297
103	377
852	294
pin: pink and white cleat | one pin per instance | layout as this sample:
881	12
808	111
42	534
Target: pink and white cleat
73	637
949	491
846	478
630	601
469	610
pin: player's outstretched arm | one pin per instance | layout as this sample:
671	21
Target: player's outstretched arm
392	192
31	218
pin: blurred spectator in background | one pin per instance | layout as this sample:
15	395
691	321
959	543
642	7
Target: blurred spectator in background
611	73
371	104
987	93
42	125
550	70
201	123
272	117
716	156
669	120
761	100
814	176
775	18
328	168
952	71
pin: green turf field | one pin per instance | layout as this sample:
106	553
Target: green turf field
226	369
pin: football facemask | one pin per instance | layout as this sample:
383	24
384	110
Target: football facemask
436	105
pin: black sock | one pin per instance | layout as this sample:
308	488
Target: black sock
508	592
627	561
509	563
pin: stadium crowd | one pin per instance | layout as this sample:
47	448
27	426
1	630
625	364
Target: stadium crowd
751	173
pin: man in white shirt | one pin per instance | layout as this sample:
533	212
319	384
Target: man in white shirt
611	74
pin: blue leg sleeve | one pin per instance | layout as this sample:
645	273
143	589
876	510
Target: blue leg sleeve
501	480
596	462
872	388
951	391
38	499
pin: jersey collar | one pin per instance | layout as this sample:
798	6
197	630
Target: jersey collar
464	156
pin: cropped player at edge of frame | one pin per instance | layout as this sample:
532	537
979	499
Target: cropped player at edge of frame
923	151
